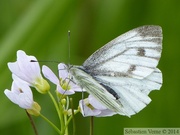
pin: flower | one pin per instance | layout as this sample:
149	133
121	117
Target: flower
26	71
21	95
92	107
64	85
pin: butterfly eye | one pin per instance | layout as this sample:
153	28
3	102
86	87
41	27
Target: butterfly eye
71	77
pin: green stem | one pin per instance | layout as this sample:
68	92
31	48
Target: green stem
51	124
65	121
70	118
73	119
91	125
32	123
59	110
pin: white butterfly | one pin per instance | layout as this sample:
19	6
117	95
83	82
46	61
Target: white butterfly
121	74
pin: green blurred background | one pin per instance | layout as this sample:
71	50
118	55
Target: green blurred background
39	27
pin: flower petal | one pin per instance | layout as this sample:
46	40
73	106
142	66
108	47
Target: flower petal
31	69
13	97
17	79
95	103
86	111
105	113
14	68
77	89
64	92
34	65
24	68
63	73
47	72
94	108
21	95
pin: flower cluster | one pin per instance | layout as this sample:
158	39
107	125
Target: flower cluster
26	73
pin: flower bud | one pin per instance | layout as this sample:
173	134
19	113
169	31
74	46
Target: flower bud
42	85
35	110
63	101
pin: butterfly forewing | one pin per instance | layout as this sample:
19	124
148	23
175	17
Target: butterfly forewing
134	54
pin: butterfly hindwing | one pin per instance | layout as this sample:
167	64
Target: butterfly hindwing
89	84
132	92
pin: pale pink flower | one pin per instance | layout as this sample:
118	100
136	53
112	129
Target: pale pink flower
29	72
92	107
64	84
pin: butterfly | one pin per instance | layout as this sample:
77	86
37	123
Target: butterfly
122	73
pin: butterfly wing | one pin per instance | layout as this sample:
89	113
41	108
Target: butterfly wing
133	93
88	83
123	72
133	54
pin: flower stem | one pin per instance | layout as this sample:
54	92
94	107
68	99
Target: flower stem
73	119
47	120
61	116
65	121
91	125
57	109
32	123
70	118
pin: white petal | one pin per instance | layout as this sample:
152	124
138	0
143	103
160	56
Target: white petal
14	68
17	79
26	98
86	111
47	72
24	69
63	71
26	90
105	113
21	95
76	88
30	69
34	65
64	92
95	103
15	88
25	101
12	96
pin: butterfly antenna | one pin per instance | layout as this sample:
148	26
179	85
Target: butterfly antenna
45	61
69	47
